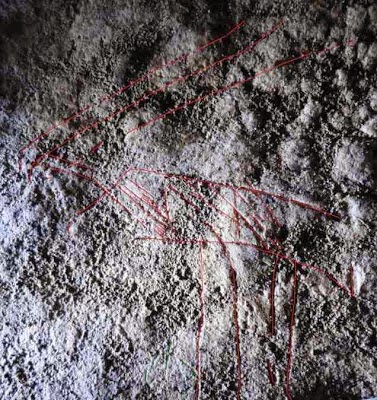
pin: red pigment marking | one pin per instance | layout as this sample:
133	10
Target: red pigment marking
221	38
101	197
166	204
352	281
271	373
72	163
160	230
200	324
146	197
234	284
236	217
277	255
141	187
184	198
272	298
179	59
244	218
291	334
287	393
96	147
289	200
329	276
149	73
38	160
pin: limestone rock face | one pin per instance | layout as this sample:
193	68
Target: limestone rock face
188	200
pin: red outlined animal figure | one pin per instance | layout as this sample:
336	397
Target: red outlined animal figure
248	212
246	219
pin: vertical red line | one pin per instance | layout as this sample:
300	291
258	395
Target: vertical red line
271	373
352	281
166	204
287	390
236	216
233	279
272	298
200	324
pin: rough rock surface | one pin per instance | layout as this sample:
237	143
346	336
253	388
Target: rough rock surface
98	313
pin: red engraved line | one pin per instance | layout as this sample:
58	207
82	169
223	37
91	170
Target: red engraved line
328	275
71	163
38	160
288	372
166	204
177	60
102	196
160	230
47	132
96	147
236	216
271	373
221	38
184	198
293	201
233	279
313	208
209	183
272	298
272	215
200	325
149	73
140	186
255	217
275	243
352	281
146	197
